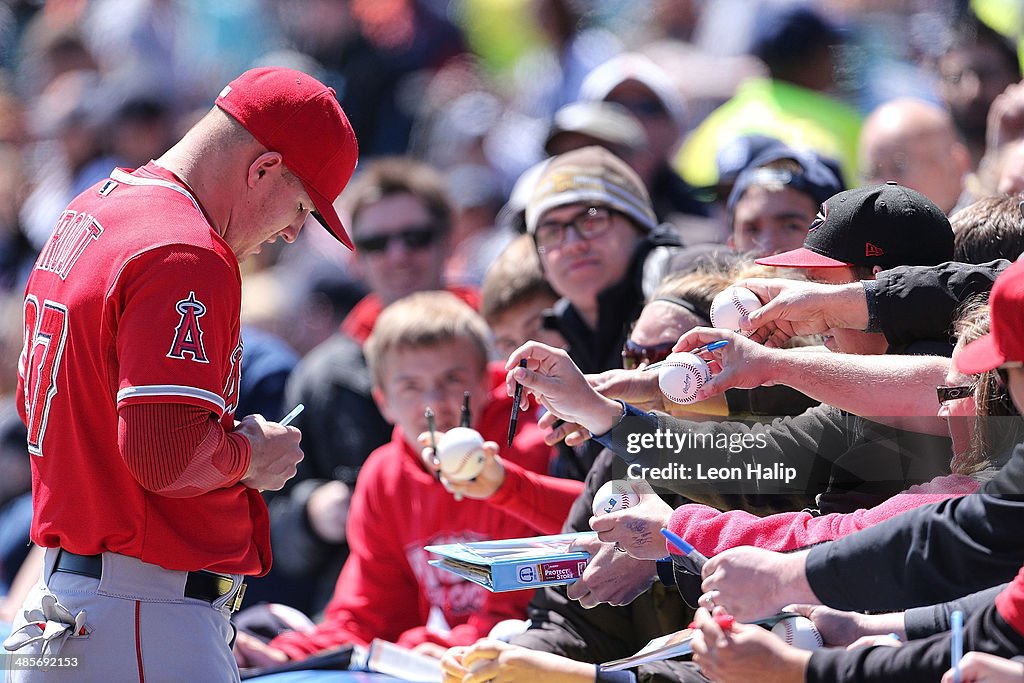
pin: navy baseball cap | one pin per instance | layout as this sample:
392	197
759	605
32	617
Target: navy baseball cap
879	225
737	154
814	179
791	30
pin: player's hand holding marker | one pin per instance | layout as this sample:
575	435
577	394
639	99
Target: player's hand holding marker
275	451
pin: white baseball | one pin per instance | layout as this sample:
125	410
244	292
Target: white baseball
800	632
615	495
460	454
732	305
681	376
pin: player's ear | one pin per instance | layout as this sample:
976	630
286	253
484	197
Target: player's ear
259	167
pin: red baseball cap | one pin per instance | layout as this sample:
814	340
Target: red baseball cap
298	116
1005	343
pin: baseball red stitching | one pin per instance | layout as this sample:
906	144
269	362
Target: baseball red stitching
465	459
737	303
699	377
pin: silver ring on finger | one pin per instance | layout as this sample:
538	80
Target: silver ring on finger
708	600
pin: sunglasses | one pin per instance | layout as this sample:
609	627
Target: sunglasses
953	393
634	354
413	237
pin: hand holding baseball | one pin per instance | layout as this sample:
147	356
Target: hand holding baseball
275	453
751	583
843	628
486	482
796	307
636	528
742	363
611	577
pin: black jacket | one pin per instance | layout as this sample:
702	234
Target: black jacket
598	350
921	660
932	554
841	462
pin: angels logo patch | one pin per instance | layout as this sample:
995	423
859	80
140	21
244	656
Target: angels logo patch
188	335
819	218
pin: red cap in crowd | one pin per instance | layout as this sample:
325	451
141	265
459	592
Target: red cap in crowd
294	114
1005	343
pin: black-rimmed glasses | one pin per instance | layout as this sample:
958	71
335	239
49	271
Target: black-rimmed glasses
589	223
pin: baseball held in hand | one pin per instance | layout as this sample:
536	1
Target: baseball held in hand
460	454
731	306
615	495
681	377
800	632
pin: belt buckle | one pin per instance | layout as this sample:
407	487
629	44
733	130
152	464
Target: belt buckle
235	603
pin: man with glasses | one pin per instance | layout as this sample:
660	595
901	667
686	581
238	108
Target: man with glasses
603	252
401	218
600	246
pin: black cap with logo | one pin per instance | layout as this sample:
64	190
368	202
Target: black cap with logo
879	225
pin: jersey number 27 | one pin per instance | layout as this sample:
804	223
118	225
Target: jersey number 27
46	330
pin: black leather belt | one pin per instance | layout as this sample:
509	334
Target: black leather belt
201	585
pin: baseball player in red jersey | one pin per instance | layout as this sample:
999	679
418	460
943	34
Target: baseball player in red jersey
145	489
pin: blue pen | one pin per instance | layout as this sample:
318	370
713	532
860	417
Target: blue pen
694	556
700	349
712	346
956	622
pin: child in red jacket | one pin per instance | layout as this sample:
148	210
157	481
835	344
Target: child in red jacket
426	350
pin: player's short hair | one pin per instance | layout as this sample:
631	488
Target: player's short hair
388	176
421	320
990	228
513	278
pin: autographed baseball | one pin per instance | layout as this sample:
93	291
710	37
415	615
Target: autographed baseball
460	453
732	305
681	376
614	495
800	632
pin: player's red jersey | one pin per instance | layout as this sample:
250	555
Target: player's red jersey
135	298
